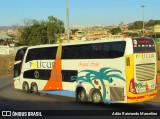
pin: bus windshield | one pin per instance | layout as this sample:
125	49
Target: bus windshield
143	45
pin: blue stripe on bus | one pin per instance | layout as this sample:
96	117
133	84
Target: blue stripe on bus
61	93
109	101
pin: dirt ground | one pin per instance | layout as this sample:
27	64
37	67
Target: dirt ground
6	64
6	68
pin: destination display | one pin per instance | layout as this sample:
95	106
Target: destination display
143	45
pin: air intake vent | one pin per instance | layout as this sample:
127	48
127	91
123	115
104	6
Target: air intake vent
145	72
117	93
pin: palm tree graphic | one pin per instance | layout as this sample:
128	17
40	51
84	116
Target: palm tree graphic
106	73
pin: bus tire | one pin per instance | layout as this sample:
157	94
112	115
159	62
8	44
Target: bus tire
26	87
35	89
96	96
81	96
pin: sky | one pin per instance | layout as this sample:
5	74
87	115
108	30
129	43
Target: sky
81	12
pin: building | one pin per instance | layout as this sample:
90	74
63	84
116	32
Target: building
4	39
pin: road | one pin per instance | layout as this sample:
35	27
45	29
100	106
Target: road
12	99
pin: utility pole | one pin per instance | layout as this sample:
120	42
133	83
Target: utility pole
67	21
143	16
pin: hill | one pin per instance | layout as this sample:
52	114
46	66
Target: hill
6	28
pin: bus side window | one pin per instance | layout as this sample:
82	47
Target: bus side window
19	57
106	50
48	53
71	52
64	52
117	49
86	51
68	74
76	52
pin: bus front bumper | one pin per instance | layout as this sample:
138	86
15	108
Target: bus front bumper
133	98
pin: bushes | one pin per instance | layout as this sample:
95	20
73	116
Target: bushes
41	32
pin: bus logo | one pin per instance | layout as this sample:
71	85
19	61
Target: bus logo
36	74
42	64
144	56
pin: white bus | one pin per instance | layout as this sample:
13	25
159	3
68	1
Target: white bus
116	71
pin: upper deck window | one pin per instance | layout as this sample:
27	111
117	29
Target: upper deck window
20	54
47	53
94	51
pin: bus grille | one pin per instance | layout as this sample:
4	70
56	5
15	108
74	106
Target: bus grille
145	72
117	93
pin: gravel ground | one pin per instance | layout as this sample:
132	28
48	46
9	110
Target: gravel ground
5	61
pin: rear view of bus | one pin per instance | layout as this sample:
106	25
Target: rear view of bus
141	70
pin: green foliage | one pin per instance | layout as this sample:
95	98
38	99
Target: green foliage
132	34
152	23
54	27
42	32
115	31
155	36
74	31
139	24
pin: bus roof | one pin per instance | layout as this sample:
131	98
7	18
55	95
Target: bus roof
83	42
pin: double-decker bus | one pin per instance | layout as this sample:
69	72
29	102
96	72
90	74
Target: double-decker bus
116	71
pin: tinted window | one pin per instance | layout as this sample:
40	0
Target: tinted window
86	51
20	54
94	51
37	74
117	49
97	50
17	69
71	52
106	50
41	54
67	74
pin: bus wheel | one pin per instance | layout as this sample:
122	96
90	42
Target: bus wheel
96	96
35	89
81	96
26	87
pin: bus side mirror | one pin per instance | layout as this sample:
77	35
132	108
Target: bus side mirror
11	65
17	62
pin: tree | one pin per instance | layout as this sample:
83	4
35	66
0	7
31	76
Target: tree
25	36
151	23
132	34
157	21
74	31
136	25
115	31
139	24
39	35
42	32
54	27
